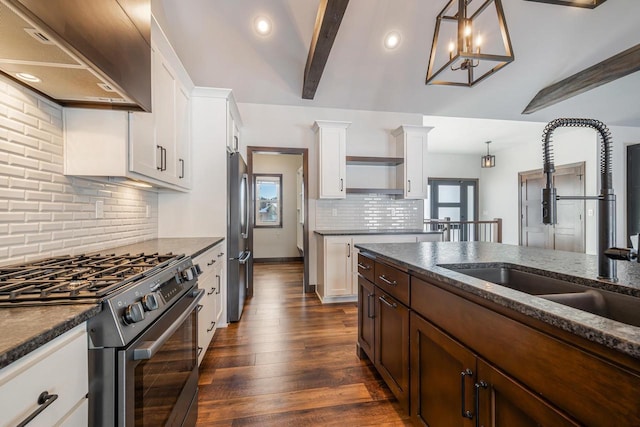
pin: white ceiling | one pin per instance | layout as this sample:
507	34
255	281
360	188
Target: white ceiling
216	43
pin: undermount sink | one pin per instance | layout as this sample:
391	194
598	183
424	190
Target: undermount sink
620	307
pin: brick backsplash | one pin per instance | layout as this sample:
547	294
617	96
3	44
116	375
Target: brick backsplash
369	212
44	213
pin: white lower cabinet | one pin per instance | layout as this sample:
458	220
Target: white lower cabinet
338	262
211	280
59	369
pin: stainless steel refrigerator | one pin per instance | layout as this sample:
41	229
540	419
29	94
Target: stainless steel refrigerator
240	260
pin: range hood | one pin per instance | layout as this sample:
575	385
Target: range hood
79	53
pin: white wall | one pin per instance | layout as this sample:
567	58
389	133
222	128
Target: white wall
499	186
287	126
45	213
279	242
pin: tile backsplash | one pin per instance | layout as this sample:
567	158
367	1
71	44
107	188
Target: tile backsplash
369	212
44	213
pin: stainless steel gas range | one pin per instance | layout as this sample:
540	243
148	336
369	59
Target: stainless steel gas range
143	344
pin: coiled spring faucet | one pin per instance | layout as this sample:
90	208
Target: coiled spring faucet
606	199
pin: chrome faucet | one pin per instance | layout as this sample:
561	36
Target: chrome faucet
606	199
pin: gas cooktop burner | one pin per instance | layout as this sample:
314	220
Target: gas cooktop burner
76	279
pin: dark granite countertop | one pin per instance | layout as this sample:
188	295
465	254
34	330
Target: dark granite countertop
192	246
426	259
24	329
370	232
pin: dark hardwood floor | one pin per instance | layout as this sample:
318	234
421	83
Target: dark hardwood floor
291	361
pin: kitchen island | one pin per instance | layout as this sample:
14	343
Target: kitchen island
438	335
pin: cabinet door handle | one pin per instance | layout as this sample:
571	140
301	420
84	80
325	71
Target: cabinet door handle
220	254
387	281
213	325
364	267
463	376
44	400
199	307
164	159
390	304
348	250
369	305
200	350
341	184
478	386
219	283
236	144
213	261
158	147
181	168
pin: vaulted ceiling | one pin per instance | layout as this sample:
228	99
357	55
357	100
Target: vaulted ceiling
218	46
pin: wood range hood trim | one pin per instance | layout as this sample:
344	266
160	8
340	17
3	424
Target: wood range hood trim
97	55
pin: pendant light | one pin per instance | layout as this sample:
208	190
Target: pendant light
489	160
471	41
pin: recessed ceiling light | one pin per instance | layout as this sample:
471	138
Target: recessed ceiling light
28	77
392	40
262	25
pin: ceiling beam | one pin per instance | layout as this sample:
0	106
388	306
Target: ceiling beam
328	19
610	69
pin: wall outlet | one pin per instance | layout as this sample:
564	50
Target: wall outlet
99	209
334	212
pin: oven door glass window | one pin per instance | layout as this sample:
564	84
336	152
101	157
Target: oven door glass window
165	384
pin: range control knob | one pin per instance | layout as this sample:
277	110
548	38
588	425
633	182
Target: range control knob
187	274
133	313
150	302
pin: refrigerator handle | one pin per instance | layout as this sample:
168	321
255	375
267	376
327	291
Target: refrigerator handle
245	183
244	257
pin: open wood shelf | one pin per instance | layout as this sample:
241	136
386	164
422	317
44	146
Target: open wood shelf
374	161
387	191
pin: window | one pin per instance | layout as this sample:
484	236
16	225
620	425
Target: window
268	200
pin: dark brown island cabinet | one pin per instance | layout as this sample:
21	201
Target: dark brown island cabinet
455	359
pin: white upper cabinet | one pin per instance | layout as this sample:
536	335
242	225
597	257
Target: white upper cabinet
156	145
411	144
331	138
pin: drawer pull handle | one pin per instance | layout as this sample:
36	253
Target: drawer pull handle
387	281
200	350
478	386
213	325
199	307
390	304
213	289
220	254
463	375
44	400
213	261
364	266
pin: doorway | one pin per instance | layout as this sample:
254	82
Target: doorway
456	199
633	191
300	204
568	234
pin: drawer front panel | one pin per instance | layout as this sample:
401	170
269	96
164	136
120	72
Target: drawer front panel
393	281
366	267
59	368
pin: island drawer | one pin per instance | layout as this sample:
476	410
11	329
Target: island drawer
366	267
393	281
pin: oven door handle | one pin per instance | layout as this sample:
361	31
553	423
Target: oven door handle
148	349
